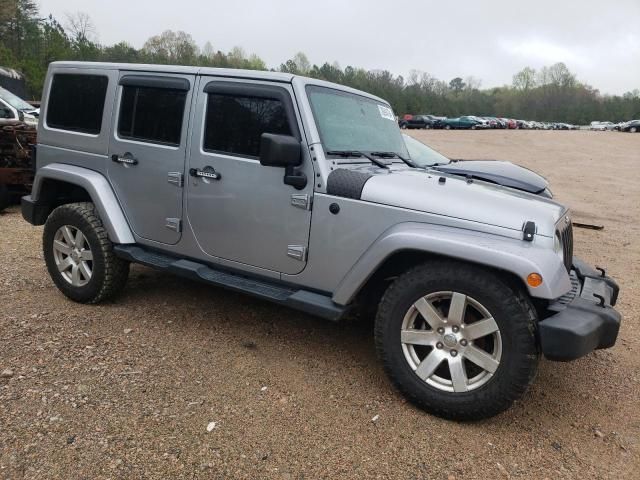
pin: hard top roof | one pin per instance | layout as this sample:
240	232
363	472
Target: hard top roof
220	72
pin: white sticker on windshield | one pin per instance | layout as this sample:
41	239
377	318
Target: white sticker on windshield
386	112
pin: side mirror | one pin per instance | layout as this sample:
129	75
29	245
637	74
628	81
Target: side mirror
279	151
283	151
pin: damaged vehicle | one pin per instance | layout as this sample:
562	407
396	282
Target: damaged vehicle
303	193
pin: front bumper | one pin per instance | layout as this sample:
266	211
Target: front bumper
584	319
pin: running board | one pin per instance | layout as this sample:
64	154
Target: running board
303	300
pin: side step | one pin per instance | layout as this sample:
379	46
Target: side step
303	300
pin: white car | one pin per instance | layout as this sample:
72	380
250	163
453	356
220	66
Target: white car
13	107
601	126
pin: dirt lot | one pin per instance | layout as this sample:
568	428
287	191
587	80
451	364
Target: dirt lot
127	389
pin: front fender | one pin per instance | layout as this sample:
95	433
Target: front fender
515	256
98	189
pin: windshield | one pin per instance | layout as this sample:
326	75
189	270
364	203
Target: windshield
15	101
350	122
422	155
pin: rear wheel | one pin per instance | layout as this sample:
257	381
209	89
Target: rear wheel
79	254
456	340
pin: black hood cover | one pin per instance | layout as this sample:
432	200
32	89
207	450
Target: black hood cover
495	171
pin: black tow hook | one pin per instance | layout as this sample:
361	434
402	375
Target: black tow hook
601	298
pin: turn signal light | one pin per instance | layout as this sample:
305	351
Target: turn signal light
534	280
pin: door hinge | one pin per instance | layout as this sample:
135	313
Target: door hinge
175	178
174	224
298	252
301	200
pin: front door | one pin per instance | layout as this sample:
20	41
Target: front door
243	211
147	151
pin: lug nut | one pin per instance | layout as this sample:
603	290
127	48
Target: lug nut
455	329
454	353
440	330
438	345
463	342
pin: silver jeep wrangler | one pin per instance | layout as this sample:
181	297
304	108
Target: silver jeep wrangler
303	193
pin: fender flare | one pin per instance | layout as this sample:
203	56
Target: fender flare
98	188
512	255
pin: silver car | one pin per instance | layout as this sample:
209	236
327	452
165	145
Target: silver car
303	193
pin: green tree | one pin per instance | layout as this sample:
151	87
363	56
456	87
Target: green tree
457	85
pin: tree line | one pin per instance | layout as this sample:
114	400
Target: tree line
29	42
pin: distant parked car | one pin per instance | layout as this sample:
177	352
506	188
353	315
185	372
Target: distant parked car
633	126
502	123
602	126
13	107
492	121
467	122
418	121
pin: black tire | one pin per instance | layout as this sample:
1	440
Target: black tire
633	130
108	273
447	127
513	314
5	197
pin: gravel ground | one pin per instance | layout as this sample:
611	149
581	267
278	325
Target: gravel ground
131	389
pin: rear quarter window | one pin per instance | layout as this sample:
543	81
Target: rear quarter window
76	102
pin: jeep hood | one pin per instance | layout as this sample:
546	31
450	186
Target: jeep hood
457	197
494	171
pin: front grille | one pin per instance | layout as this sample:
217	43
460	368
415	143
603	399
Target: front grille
565	230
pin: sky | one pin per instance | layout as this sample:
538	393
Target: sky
599	40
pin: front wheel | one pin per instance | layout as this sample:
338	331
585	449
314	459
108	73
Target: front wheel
79	254
457	340
447	127
633	129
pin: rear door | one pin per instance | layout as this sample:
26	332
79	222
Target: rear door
147	151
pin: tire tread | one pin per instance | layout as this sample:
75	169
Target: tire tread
483	402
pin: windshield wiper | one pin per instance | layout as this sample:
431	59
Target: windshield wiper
393	155
357	153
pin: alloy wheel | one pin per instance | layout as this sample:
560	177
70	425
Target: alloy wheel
73	256
451	341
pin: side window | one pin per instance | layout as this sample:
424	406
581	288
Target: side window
150	114
76	102
234	123
6	112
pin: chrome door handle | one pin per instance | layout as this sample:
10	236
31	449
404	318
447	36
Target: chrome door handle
208	173
124	159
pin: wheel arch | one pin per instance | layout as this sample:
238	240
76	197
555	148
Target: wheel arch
408	244
59	184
